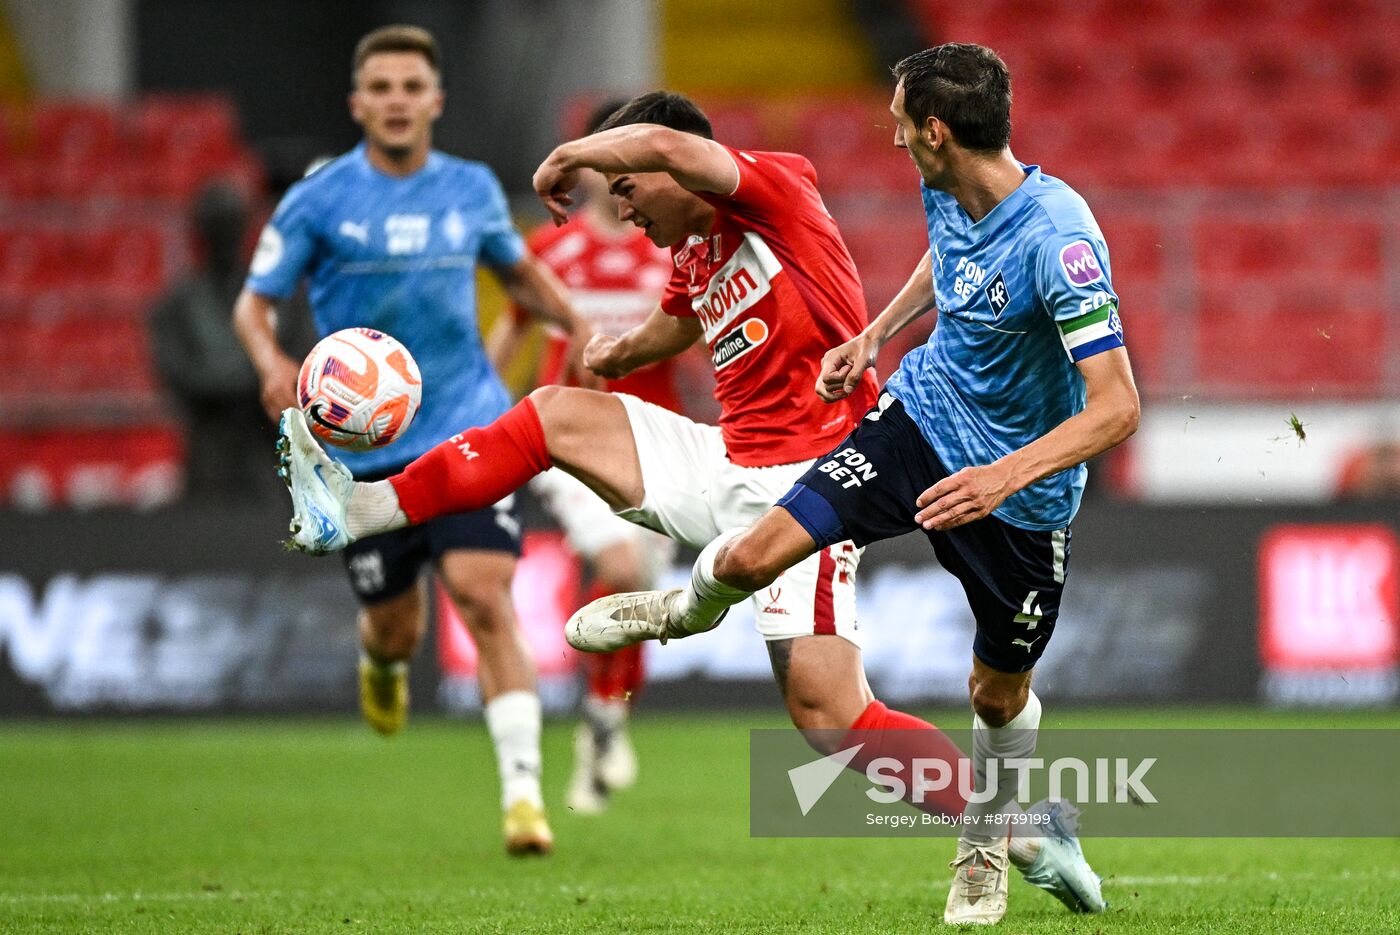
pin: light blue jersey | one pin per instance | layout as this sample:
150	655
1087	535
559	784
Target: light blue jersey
1023	294
399	255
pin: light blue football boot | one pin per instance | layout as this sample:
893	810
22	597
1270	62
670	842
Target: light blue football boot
320	488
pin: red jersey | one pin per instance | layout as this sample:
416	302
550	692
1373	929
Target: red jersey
615	283
775	289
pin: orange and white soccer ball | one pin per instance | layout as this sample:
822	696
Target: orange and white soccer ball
359	388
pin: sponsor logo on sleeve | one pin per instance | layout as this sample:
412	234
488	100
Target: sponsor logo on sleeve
739	342
1080	264
269	252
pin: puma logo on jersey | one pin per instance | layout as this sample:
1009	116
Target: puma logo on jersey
357	232
737	286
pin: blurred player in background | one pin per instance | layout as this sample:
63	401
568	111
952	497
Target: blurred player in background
979	441
390	236
615	278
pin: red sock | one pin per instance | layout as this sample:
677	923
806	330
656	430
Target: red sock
905	738
475	469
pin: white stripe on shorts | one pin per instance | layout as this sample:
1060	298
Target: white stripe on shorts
1057	561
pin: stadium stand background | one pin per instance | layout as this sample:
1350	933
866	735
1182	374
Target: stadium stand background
1236	154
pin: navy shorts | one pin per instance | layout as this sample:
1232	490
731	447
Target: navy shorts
388	564
865	490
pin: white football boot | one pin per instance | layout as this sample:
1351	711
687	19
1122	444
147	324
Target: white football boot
619	620
320	488
1060	868
978	893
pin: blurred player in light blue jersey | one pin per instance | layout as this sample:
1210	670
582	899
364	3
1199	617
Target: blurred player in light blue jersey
978	441
389	236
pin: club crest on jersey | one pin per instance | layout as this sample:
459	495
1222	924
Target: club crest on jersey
1080	264
736	287
696	258
997	295
454	228
739	342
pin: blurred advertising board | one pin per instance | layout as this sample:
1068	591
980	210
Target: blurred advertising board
1329	613
199	609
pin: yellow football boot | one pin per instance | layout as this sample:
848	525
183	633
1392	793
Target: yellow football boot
384	695
526	830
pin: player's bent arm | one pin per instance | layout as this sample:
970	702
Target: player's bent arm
912	301
1110	416
659	337
842	367
254	321
698	164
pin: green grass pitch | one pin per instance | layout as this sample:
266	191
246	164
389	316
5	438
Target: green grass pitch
319	826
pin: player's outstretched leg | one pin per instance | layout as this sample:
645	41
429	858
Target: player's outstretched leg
585	432
729	570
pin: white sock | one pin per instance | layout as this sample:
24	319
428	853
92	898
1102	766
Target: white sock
705	600
513	720
373	508
1016	739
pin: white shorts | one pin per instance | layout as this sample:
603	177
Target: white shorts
590	525
693	492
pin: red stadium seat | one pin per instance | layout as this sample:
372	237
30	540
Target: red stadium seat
172	127
1346	250
131	259
740	123
1271	342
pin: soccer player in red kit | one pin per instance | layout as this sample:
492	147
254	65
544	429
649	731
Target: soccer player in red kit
615	277
761	272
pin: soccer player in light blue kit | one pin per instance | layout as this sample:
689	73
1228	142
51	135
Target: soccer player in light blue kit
979	441
390	236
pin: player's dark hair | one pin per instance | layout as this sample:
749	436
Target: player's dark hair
966	86
398	38
665	108
600	114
